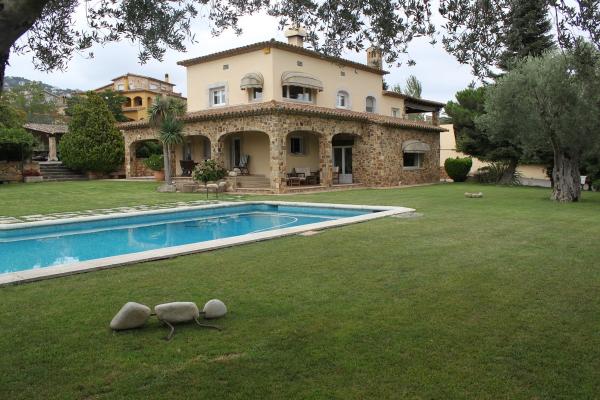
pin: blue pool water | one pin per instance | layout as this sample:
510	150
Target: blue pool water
48	245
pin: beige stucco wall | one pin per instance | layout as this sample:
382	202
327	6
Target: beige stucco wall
272	63
308	160
448	150
201	77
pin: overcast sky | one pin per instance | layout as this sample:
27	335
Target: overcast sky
439	73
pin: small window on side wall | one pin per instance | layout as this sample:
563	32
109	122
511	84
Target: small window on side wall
343	100
413	160
395	112
296	145
370	104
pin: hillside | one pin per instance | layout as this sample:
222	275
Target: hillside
14	81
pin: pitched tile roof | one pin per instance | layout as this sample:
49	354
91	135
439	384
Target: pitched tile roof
283	46
50	129
414	99
273	106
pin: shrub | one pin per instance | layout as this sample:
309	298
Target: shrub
458	168
209	171
596	185
155	162
147	148
93	143
494	172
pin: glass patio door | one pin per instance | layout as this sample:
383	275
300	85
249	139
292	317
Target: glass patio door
236	152
342	158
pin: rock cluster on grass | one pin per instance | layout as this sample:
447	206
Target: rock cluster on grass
135	315
474	195
131	315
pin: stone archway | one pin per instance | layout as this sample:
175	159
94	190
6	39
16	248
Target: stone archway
347	156
139	151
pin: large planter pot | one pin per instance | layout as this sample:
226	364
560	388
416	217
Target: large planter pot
32	179
159	176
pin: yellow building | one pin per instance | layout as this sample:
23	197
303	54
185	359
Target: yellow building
140	92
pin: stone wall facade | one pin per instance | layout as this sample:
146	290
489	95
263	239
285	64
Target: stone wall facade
377	151
10	171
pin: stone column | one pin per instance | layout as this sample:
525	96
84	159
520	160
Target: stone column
325	159
52	148
277	155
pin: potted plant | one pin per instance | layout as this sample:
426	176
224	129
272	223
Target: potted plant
208	172
32	175
157	164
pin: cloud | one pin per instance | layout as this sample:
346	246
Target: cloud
439	73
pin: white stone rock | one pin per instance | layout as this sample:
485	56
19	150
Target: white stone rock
232	173
131	315
180	311
214	309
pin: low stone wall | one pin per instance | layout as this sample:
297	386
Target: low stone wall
138	168
10	171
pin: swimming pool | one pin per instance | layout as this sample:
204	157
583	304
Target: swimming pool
44	248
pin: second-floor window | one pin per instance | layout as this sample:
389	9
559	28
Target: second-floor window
343	100
153	86
298	93
218	96
370	104
395	112
121	86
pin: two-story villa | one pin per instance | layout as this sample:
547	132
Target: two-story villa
139	92
300	118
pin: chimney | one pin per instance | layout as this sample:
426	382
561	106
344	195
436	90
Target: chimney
167	78
295	35
374	57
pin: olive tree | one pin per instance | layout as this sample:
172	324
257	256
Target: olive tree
550	100
474	31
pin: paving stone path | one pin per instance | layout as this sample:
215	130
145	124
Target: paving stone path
106	211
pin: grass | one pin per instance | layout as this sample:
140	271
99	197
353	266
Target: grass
480	298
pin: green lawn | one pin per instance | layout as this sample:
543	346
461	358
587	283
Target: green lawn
480	298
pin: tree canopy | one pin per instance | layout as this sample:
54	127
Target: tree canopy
474	31
36	104
113	99
92	143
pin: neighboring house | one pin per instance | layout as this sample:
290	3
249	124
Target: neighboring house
531	174
140	91
291	109
59	100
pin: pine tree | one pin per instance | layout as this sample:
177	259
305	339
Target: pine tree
528	32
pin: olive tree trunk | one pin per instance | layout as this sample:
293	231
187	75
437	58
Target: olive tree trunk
567	184
509	173
16	18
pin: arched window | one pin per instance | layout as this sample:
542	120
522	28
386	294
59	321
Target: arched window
137	101
370	104
342	100
127	102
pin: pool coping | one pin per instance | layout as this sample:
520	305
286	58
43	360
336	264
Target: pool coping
32	275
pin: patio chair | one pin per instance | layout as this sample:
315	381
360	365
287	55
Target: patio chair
187	166
335	175
243	167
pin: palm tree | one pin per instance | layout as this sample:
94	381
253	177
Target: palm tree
163	116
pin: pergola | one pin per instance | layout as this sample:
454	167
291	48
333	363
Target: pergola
49	131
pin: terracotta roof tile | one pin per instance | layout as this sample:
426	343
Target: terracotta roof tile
292	108
283	46
50	129
414	99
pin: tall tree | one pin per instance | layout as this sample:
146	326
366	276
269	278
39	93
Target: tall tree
113	99
472	30
413	87
476	142
163	116
528	32
37	104
551	99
